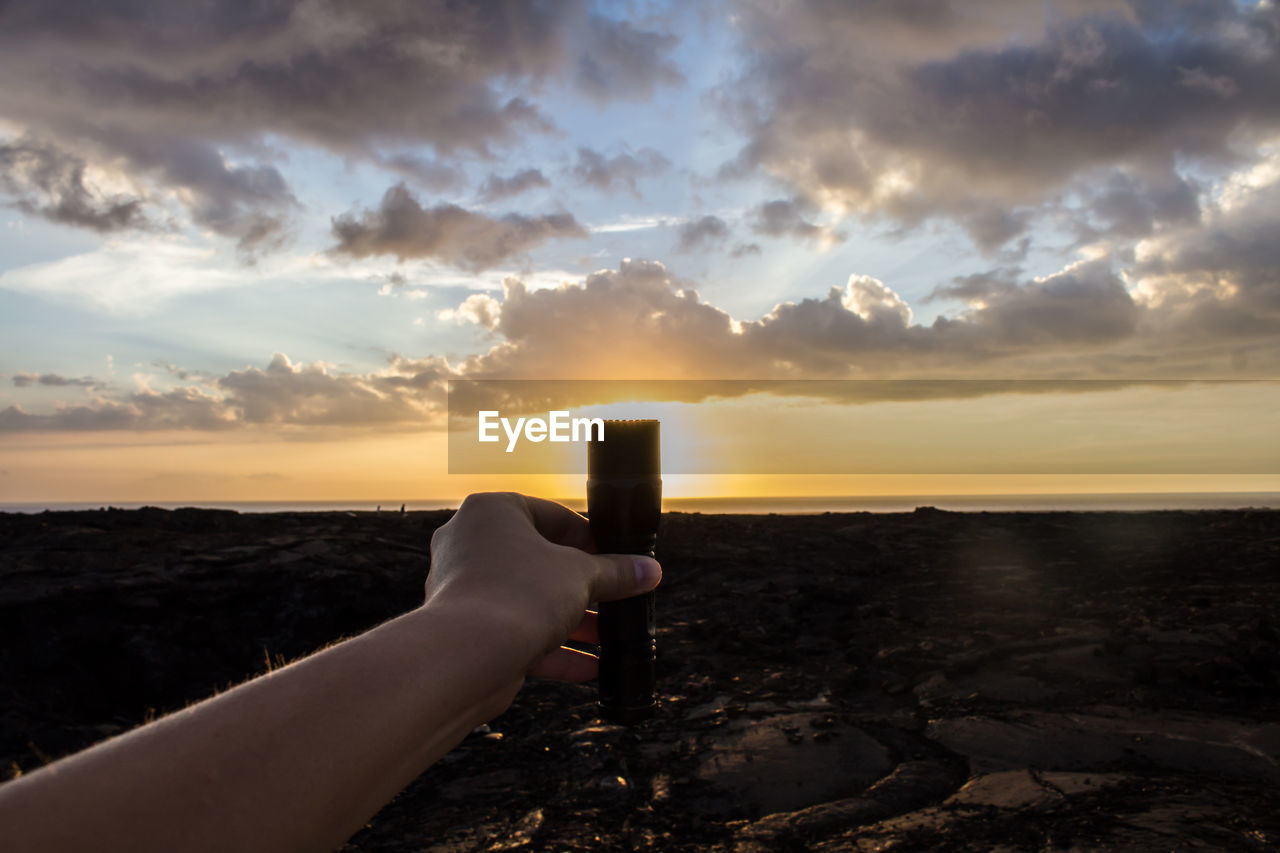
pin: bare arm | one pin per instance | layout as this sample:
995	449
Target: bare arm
299	759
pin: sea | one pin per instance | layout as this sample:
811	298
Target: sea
1132	502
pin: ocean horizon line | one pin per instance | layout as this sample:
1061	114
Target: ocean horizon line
779	504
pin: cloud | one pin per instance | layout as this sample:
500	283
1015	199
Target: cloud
309	395
636	321
621	171
496	187
394	282
24	380
185	408
408	394
1199	304
425	172
705	231
1126	205
640	321
479	309
1086	303
128	275
1219	279
784	218
629	223
620	60
977	288
247	202
199	102
993	114
44	181
404	228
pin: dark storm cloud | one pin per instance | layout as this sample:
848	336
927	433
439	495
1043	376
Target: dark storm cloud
190	98
701	232
623	170
404	228
497	187
984	112
44	181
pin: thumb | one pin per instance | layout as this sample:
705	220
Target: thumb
623	575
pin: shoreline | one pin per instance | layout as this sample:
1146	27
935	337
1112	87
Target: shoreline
780	505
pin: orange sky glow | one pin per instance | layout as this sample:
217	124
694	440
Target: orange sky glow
940	447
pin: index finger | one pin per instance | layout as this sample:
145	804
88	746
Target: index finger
559	524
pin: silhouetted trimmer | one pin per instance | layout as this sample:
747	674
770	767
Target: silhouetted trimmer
624	504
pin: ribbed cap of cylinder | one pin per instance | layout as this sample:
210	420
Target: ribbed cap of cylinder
630	449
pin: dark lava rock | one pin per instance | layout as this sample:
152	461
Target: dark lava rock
928	680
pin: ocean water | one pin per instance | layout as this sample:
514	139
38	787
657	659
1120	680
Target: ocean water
781	505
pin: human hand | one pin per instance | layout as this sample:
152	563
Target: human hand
530	564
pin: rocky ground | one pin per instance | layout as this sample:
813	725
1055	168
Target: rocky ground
918	681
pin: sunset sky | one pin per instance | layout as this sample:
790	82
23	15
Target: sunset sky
244	246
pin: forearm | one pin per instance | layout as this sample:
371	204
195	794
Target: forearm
296	760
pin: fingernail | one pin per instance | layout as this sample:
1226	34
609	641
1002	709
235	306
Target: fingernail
647	571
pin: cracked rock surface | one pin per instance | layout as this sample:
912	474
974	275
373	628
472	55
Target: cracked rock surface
913	681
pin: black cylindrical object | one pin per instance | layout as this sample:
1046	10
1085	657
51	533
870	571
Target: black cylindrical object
624	504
